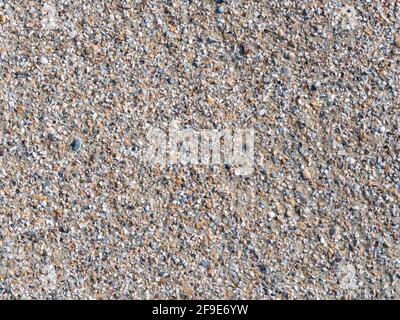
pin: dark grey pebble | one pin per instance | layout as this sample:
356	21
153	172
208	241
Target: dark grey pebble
76	144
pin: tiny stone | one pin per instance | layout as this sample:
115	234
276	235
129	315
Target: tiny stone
333	231
397	41
244	49
280	32
290	56
314	87
51	136
44	60
306	174
204	264
386	244
171	80
262	112
263	268
271	214
163	274
220	9
76	144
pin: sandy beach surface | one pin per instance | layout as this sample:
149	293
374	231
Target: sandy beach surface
84	215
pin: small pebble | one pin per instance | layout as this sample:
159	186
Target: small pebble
263	268
220	9
306	174
76	144
397	41
290	56
271	214
170	80
333	231
44	60
280	32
